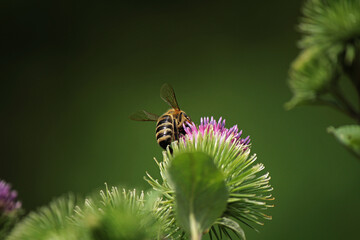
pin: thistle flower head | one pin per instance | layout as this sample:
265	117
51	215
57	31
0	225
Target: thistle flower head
112	215
248	192
118	215
8	199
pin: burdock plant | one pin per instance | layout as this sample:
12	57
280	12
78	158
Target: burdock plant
211	184
329	59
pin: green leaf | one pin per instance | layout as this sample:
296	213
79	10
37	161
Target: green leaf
200	190
234	226
349	136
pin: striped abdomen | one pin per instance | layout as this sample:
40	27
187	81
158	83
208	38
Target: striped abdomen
165	132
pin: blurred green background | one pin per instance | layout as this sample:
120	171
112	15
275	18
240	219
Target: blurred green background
73	72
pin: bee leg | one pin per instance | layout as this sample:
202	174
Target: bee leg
176	131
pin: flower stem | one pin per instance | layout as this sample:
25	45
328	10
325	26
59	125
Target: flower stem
194	228
353	73
344	103
335	106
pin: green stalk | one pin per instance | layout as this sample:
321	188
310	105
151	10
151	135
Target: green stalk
344	103
334	105
194	228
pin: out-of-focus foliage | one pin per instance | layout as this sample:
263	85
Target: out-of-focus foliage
328	23
349	136
7	222
118	215
330	54
50	222
114	215
311	76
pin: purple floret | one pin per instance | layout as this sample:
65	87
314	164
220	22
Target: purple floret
8	199
219	128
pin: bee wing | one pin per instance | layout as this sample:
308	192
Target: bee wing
168	95
143	116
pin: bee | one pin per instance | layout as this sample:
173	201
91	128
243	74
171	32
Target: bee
169	126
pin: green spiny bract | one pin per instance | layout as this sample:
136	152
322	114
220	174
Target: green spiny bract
330	23
49	222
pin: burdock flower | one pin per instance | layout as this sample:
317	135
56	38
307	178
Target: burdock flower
9	208
246	194
8	199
